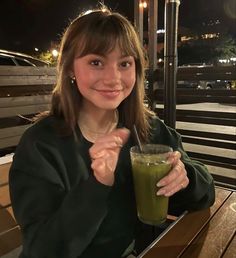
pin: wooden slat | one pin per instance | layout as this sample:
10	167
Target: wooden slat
206	120
217	159
21	80
212	241
7	220
172	245
212	143
4	196
10	235
198	113
10	240
231	249
23	110
199	99
198	96
217	118
24	100
202	93
27	75
10	142
25	90
4	171
12	131
204	134
15	121
225	181
10	137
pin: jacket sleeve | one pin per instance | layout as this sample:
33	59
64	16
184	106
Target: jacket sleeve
200	193
56	220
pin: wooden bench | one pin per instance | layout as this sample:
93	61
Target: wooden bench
10	235
24	92
207	233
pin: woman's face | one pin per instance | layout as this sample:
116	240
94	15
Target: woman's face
104	81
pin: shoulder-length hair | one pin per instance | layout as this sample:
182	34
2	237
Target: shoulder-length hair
98	32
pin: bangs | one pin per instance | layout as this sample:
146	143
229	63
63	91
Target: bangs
105	33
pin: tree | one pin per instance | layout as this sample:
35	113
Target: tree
207	51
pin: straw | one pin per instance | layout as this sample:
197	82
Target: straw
137	139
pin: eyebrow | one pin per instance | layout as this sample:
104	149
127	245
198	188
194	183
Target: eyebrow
104	55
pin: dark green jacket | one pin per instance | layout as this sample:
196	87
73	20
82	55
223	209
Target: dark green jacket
64	212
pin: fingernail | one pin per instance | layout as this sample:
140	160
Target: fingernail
160	192
126	129
119	141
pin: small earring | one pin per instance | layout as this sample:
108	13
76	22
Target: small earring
72	80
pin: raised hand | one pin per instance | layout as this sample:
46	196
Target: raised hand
104	155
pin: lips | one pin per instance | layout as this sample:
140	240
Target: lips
109	93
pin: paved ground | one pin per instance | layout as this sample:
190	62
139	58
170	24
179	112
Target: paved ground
209	107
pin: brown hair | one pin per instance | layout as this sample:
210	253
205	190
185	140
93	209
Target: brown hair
99	31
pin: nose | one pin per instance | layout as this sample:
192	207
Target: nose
112	75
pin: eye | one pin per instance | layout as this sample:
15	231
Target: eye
125	64
96	62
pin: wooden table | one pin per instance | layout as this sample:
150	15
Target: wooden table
209	233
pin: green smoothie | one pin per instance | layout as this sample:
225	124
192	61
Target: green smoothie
148	169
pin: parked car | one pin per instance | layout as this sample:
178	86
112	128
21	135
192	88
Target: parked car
187	84
205	84
216	84
19	59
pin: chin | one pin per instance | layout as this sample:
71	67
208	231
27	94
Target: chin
108	106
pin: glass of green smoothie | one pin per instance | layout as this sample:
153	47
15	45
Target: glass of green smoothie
148	167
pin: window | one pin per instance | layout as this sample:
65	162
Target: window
23	62
4	60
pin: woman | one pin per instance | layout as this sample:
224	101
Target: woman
70	181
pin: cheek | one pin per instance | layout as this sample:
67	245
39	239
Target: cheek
81	84
130	85
130	80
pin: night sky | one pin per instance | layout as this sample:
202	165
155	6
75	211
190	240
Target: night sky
26	24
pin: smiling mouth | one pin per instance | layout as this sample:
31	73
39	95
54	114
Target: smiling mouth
109	93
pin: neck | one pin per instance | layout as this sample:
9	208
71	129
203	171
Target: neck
97	124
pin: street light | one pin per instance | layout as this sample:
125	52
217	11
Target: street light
142	4
54	53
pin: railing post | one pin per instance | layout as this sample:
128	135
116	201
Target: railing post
170	61
138	18
152	47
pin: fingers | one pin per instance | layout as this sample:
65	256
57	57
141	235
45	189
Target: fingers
100	146
174	157
123	133
101	171
104	155
104	167
114	140
177	178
